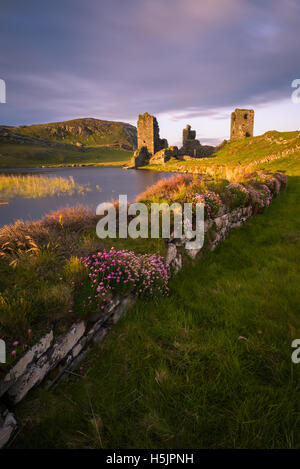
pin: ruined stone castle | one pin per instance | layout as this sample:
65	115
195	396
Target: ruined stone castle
190	146
154	150
148	134
242	123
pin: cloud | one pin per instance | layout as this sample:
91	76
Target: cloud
116	59
194	113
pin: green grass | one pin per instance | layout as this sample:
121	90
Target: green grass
29	156
208	367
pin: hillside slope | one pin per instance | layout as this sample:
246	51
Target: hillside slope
272	149
86	131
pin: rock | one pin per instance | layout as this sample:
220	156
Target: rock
100	336
25	362
177	263
219	222
8	425
237	224
52	359
192	252
120	310
164	155
171	254
47	362
140	157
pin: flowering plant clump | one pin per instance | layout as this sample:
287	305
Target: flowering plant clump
211	201
263	187
273	181
258	199
254	189
235	195
282	178
121	272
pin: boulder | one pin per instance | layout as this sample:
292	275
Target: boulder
162	156
140	157
8	425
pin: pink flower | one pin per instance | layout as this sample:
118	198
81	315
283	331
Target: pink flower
15	343
13	352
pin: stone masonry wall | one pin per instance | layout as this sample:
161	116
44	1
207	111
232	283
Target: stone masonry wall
192	147
148	134
219	228
54	356
242	124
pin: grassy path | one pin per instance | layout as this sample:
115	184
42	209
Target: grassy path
210	366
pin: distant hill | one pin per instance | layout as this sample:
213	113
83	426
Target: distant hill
87	131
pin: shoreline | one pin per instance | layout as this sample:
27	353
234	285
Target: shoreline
71	165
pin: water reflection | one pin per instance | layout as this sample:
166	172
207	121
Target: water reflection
105	184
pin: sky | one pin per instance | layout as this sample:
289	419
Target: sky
185	61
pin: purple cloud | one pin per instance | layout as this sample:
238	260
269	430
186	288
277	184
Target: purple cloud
115	59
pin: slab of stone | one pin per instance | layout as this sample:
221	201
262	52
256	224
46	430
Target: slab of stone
8	426
47	362
31	356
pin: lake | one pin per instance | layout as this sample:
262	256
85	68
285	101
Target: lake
112	182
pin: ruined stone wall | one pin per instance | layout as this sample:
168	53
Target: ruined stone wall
192	147
188	134
164	155
59	355
50	352
148	134
242	124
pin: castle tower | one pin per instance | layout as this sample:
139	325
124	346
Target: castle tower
188	134
242	123
190	146
148	133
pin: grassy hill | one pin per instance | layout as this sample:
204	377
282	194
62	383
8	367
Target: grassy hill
209	366
86	131
80	141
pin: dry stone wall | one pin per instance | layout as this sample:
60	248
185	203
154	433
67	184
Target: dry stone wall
218	229
57	355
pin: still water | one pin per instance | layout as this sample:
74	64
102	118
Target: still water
112	182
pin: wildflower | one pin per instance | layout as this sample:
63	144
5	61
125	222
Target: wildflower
124	271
